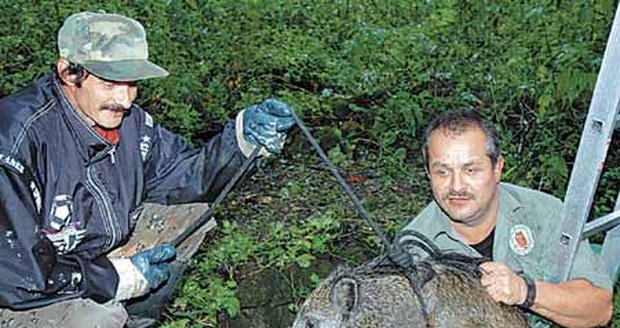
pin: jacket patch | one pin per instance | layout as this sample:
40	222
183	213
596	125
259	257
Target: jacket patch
36	195
12	162
145	146
521	240
148	120
25	174
64	233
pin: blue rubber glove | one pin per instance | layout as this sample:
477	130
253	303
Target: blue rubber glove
266	124
154	264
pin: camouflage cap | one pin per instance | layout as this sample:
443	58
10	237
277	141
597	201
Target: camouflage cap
110	46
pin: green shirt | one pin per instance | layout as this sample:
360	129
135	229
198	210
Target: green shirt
526	234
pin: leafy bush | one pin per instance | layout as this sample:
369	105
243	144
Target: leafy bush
391	66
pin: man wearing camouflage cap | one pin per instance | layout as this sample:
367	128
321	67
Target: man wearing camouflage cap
78	158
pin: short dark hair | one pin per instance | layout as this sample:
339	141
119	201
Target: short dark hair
458	122
78	70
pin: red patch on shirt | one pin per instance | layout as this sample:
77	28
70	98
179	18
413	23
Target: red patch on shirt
521	239
113	136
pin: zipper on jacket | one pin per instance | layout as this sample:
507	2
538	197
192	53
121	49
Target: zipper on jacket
101	198
112	152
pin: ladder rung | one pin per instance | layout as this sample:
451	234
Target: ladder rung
601	224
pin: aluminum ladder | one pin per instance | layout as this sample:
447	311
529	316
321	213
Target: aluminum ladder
595	139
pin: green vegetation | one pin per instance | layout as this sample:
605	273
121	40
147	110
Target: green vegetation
367	76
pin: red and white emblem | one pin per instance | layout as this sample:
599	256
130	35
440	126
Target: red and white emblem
521	240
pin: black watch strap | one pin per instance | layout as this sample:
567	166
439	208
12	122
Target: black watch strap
531	291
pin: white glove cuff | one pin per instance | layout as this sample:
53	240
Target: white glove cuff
246	147
131	283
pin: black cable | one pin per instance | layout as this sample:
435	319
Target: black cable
205	217
417	290
347	189
422	241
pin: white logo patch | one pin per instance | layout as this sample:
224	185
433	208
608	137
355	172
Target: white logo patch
521	239
148	120
64	234
66	239
145	146
36	194
14	163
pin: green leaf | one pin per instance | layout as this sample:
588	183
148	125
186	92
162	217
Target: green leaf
304	260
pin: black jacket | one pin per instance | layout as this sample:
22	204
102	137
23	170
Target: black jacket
67	195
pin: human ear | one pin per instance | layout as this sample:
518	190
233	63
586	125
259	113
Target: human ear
499	166
69	73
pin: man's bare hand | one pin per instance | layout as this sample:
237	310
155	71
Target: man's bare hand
502	284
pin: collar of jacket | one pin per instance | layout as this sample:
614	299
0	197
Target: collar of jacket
508	203
89	141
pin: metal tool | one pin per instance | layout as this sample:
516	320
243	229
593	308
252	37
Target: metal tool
205	217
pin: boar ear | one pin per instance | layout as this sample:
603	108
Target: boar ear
344	296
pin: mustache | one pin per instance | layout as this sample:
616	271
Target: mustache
114	107
458	194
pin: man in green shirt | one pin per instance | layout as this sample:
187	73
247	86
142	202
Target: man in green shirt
515	227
